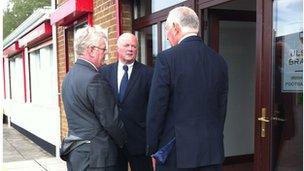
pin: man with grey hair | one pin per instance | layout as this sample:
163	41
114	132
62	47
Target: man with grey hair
95	133
130	81
188	98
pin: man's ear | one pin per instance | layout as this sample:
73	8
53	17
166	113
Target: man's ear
177	27
90	50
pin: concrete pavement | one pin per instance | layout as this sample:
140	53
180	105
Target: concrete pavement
21	154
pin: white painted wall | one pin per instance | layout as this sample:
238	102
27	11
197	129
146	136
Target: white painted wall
39	120
1	85
237	45
41	116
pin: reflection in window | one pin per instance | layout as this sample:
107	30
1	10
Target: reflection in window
147	45
288	32
159	5
288	17
143	8
165	42
288	84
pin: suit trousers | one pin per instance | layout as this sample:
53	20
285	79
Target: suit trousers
137	162
171	165
203	168
78	160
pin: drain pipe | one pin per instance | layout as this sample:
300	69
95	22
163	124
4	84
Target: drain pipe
118	18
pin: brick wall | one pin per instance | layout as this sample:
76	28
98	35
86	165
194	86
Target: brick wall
61	73
126	16
105	16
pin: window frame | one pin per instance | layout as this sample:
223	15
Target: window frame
72	28
156	19
46	43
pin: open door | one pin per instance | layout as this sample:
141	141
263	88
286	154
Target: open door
262	42
230	29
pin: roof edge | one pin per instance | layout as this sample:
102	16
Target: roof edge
38	16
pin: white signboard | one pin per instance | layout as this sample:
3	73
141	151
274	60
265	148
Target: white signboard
292	74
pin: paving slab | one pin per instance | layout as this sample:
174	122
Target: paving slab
22	154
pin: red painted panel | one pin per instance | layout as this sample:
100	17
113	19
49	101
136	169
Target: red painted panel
24	76
70	11
39	33
90	19
11	50
4	81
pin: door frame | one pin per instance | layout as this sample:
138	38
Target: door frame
263	85
215	16
264	60
225	15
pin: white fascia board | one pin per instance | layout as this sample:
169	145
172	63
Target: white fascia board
31	22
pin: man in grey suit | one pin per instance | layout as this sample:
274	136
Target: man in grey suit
95	132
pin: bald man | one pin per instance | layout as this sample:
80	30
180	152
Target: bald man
130	81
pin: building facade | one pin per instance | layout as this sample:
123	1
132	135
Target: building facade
262	42
30	86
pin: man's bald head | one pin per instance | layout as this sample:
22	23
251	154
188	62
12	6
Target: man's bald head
127	48
124	37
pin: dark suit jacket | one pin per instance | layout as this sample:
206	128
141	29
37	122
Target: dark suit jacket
133	108
188	100
91	113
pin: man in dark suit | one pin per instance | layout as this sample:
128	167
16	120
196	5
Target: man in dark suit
130	82
188	99
95	132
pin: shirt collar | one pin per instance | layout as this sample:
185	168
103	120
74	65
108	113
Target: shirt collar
185	36
120	65
88	62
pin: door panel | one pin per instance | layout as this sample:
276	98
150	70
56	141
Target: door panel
278	106
232	34
287	116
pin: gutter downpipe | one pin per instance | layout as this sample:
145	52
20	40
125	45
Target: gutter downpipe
55	60
118	13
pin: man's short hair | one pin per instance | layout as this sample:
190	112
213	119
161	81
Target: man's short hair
86	37
185	17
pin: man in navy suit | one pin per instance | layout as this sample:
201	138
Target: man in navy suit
130	82
188	99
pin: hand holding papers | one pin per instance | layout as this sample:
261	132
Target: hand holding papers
162	154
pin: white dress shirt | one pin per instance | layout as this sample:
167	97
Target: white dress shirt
121	72
185	36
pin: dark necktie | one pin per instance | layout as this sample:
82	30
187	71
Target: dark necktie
123	83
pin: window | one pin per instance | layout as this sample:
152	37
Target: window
149	27
159	5
42	77
165	42
69	39
143	8
147	44
16	78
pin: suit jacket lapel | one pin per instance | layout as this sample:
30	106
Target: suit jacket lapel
114	80
132	79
